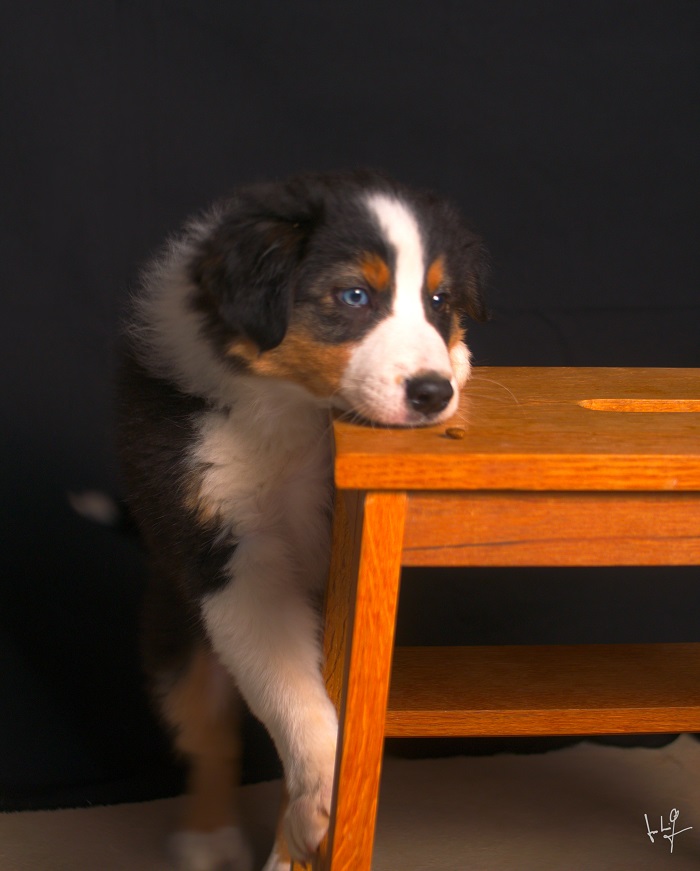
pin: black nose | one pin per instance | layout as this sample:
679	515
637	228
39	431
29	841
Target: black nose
428	394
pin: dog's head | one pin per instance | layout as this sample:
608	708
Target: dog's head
351	286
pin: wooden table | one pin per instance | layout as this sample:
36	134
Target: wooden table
556	467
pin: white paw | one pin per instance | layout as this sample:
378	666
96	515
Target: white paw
274	863
306	823
211	851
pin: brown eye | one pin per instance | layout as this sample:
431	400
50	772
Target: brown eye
440	301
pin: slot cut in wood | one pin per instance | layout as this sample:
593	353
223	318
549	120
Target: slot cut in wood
642	405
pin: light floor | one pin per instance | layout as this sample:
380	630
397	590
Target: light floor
581	808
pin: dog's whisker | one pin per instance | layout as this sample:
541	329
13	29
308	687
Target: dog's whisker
482	378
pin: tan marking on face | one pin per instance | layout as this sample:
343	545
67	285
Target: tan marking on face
457	332
376	272
436	275
303	360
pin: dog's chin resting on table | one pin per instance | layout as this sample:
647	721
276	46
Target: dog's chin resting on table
344	291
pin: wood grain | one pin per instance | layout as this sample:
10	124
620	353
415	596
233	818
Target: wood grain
339	608
557	690
365	685
552	529
527	430
339	611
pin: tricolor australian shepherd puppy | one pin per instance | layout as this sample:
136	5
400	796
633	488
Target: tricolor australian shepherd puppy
346	292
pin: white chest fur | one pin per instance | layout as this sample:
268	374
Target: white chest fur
266	472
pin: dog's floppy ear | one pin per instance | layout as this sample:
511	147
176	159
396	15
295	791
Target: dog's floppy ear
479	270
245	272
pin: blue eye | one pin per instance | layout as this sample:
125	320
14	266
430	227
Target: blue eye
356	297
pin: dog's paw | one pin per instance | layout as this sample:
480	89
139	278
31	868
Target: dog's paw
223	850
306	823
274	863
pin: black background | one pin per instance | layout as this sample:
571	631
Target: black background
568	133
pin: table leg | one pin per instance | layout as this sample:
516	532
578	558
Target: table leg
361	615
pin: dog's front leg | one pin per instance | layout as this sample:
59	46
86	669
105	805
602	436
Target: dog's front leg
266	631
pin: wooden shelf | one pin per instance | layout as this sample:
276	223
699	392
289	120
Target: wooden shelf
553	690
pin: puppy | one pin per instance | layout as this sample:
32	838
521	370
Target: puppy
347	292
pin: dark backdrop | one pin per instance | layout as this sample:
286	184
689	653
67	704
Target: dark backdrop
567	132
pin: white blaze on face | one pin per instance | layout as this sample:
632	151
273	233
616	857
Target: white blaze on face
404	344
